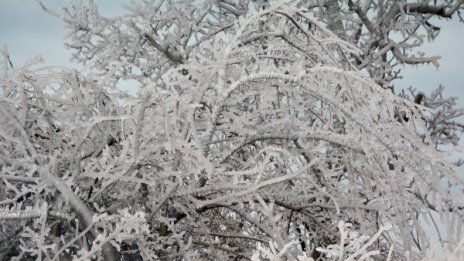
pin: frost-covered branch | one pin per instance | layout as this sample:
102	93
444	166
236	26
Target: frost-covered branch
254	128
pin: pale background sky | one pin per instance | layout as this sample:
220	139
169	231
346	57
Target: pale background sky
28	31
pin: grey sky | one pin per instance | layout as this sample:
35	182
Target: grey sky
449	45
28	31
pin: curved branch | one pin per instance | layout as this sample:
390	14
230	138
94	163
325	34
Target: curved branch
19	178
414	60
335	139
83	213
440	10
30	214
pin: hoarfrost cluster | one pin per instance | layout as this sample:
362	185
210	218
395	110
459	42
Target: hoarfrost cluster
257	131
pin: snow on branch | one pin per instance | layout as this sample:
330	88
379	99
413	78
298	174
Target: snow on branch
254	131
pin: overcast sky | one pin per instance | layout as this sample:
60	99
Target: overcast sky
28	31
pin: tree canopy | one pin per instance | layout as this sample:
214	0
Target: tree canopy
260	130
